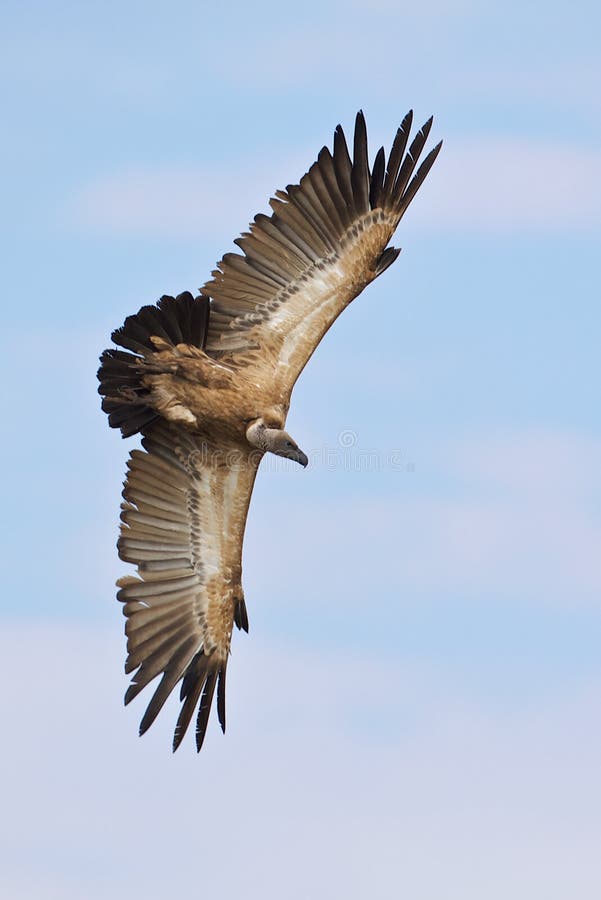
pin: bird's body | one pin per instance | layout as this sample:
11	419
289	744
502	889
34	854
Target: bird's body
207	382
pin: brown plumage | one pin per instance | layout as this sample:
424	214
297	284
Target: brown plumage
207	382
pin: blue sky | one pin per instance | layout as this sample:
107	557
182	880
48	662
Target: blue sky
422	677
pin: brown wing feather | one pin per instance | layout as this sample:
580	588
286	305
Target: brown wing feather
323	243
187	543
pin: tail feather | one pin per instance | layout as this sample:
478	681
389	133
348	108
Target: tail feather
176	320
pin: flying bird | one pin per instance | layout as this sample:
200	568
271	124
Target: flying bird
207	381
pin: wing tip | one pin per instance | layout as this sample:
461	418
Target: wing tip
221	697
204	709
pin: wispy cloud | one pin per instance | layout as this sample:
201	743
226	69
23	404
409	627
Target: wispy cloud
344	775
181	202
518	517
513	185
508	185
567	84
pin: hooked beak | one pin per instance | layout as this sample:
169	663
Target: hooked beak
301	458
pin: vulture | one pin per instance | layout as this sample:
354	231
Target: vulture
206	381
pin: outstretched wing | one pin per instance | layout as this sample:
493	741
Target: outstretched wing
325	241
183	518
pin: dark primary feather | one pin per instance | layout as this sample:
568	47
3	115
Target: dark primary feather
221	698
241	616
410	161
396	153
325	162
204	709
387	259
360	170
343	167
377	179
190	692
419	177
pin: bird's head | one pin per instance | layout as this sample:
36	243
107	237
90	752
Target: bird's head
275	440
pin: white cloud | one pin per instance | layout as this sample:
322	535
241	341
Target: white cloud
518	516
425	12
534	463
339	776
513	185
485	184
183	202
550	82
